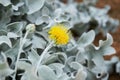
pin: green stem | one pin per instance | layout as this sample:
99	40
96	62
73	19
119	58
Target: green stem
42	56
19	52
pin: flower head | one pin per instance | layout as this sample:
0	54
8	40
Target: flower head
59	34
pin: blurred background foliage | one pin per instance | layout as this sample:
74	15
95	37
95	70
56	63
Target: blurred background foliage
115	13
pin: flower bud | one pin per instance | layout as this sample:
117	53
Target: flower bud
30	27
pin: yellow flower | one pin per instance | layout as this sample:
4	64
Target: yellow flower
59	34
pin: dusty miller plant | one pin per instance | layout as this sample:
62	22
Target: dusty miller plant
24	27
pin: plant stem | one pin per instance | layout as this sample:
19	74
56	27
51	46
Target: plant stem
42	56
22	42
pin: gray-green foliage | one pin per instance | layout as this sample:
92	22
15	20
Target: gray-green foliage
78	60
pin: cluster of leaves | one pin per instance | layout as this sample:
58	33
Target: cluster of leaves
78	60
78	16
